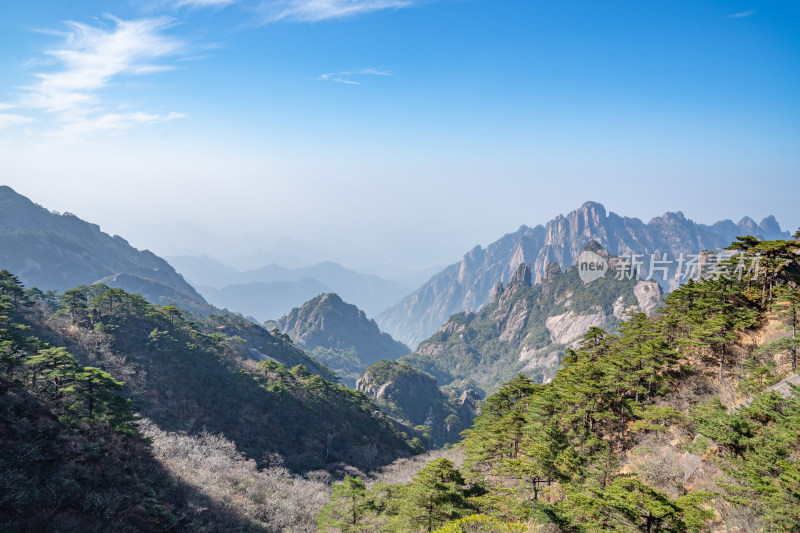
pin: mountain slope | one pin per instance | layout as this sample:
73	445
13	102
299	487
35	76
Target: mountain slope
415	399
340	335
467	285
189	375
73	458
525	328
59	251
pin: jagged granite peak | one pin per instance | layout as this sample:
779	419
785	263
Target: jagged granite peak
522	276
496	292
340	334
526	328
467	285
55	251
769	225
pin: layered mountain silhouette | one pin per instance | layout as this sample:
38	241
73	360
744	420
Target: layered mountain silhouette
54	251
467	285
271	291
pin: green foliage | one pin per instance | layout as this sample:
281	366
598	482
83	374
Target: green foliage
627	504
479	523
184	374
558	446
761	463
74	304
350	503
435	496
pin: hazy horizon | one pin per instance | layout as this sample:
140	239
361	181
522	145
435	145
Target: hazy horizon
392	135
231	250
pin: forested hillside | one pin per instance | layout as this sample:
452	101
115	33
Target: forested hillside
77	369
668	426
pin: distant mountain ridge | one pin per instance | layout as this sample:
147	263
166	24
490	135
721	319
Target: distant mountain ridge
55	251
467	285
264	300
272	290
340	335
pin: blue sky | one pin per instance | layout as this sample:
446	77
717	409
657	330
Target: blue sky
395	134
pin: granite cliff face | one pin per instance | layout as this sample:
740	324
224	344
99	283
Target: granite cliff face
413	399
525	328
467	285
340	335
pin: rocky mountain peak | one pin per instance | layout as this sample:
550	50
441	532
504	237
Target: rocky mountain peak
669	218
769	225
552	269
527	328
522	276
497	292
596	247
593	211
333	299
340	334
467	285
469	262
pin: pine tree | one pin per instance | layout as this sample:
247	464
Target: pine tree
787	305
435	496
55	365
351	501
74	303
11	287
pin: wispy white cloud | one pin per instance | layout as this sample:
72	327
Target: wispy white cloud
7	120
743	14
339	77
204	3
367	72
89	59
331	76
317	10
108	124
